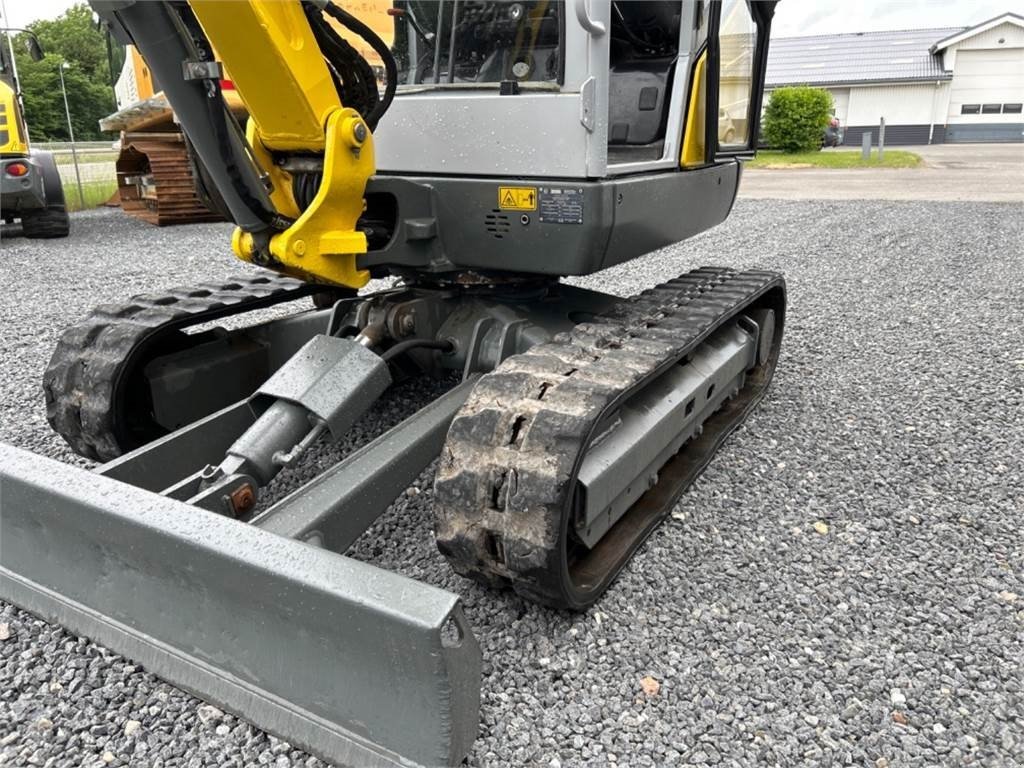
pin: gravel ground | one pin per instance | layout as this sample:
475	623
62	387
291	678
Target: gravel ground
844	585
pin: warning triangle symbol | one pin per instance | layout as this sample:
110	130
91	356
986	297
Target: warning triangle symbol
508	198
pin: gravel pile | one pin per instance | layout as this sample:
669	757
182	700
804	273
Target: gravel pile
844	585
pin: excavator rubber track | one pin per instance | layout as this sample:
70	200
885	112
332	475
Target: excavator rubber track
505	486
91	371
171	194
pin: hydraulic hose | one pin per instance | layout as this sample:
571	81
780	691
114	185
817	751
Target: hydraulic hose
404	346
353	77
390	67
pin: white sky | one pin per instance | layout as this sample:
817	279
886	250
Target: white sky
792	17
813	17
21	12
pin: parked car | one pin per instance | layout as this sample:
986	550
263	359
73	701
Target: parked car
726	127
833	135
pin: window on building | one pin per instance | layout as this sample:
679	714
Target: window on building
1012	109
991	109
970	109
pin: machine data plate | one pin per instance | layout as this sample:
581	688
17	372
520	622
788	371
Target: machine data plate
561	205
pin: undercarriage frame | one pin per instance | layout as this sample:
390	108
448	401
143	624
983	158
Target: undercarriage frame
164	555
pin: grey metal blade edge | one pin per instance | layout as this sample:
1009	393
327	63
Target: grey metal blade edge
203	680
336	656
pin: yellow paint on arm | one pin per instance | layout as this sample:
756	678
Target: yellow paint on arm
287	87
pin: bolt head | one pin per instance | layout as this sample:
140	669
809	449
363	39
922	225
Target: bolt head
243	499
359	132
299	247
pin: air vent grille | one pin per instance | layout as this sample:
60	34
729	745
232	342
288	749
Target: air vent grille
497	223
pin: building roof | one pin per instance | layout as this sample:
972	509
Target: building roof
858	57
963	34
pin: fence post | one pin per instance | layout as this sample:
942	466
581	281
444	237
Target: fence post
71	132
865	146
78	176
881	139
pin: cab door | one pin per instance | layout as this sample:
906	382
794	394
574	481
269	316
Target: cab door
738	57
727	81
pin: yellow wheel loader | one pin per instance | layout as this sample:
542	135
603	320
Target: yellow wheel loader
30	186
508	145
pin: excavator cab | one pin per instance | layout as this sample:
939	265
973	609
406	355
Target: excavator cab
472	154
465	50
553	92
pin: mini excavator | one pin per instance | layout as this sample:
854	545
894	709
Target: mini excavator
498	148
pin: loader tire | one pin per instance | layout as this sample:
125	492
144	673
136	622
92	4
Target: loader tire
45	223
53	220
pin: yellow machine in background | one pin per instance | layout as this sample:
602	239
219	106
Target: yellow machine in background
30	185
13	138
156	179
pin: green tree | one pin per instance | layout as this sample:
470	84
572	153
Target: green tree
73	38
796	118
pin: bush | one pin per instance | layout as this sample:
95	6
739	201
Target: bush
796	117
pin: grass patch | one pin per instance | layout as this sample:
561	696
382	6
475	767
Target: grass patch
85	157
96	193
774	158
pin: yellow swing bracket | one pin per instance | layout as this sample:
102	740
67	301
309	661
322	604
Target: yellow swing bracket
322	244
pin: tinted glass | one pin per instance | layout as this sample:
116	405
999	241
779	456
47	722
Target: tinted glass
737	39
476	43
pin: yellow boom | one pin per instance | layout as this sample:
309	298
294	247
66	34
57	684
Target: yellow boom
293	105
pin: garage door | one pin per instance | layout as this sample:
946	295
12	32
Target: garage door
985	96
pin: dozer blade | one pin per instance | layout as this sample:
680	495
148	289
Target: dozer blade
355	664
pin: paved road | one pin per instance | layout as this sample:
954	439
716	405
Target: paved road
843	586
978	172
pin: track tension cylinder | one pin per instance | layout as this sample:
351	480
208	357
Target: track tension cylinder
325	387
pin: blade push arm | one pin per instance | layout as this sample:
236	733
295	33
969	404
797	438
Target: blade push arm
279	70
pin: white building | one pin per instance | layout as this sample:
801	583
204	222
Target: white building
931	85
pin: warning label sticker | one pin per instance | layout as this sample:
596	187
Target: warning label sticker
517	198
